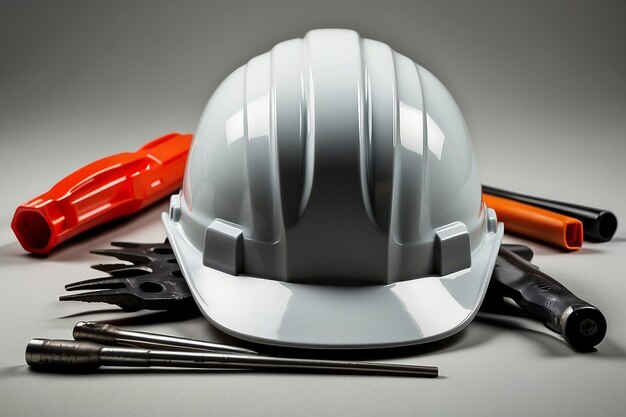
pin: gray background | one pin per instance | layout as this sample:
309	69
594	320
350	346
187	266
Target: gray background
543	89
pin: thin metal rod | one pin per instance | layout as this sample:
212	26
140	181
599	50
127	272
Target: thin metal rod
70	355
108	334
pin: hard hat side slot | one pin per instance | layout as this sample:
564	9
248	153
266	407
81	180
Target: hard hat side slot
452	248
223	247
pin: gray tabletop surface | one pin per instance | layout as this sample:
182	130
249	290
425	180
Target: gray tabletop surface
543	89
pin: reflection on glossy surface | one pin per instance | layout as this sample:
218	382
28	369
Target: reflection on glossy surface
234	127
436	137
259	117
411	128
422	297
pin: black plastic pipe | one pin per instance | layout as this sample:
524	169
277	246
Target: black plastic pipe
599	225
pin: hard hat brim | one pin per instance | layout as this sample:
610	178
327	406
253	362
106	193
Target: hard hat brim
336	317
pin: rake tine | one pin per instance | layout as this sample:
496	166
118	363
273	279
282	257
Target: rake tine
120	297
96	296
126	271
110	267
122	255
96	284
126	244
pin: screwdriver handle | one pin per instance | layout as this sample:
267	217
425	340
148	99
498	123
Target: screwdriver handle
44	354
104	190
580	323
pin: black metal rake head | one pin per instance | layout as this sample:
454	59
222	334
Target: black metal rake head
151	280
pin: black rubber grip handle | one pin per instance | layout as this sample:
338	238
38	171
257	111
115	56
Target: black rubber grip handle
580	323
599	225
520	250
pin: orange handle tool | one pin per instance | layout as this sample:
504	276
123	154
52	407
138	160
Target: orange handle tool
537	223
104	190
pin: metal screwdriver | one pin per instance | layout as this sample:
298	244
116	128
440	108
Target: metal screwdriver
70	355
108	334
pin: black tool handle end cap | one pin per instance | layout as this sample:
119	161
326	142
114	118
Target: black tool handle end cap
583	327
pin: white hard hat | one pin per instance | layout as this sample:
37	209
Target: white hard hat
331	200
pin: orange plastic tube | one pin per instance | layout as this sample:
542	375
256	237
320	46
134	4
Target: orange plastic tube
102	191
536	223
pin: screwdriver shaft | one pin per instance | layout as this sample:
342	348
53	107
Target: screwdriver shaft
45	354
108	334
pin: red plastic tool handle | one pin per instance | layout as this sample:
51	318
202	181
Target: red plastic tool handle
102	191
